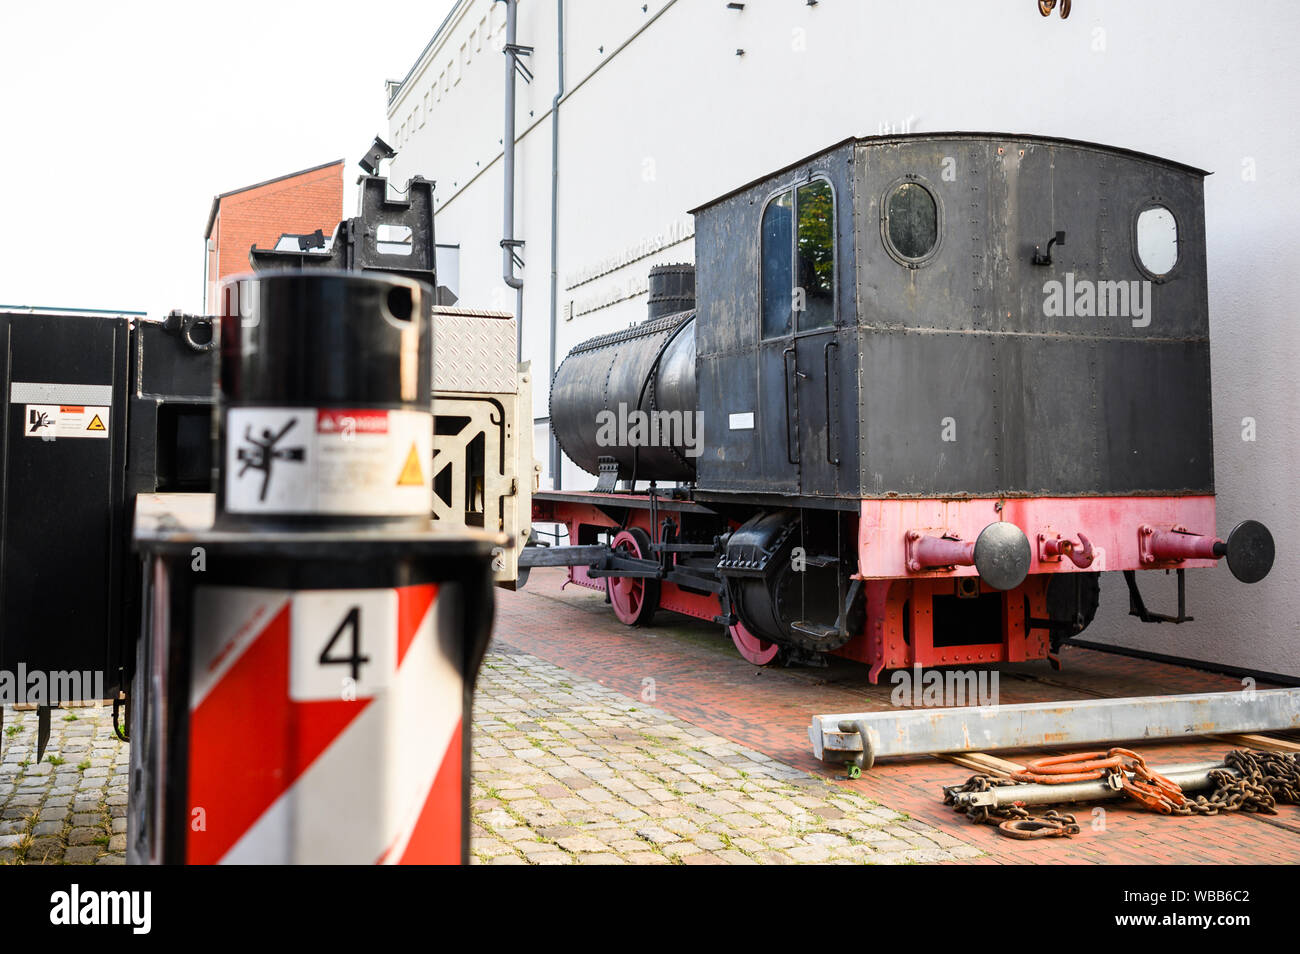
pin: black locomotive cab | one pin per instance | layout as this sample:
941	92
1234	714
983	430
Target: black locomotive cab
956	314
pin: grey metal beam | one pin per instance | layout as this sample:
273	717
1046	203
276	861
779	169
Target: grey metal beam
988	728
563	556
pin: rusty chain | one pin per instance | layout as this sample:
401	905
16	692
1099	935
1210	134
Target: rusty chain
1265	779
1262	780
1014	821
982	814
1051	824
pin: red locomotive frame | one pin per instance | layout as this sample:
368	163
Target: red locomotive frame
1117	532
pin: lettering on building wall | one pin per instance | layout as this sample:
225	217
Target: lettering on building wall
679	231
611	294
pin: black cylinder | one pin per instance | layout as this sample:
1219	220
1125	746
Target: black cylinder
324	407
672	290
631	397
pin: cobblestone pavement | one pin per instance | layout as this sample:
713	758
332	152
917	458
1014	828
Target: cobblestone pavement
565	771
568	771
71	807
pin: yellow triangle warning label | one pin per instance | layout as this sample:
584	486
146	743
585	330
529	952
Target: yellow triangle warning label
411	475
95	424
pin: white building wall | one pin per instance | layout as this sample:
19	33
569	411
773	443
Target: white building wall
675	117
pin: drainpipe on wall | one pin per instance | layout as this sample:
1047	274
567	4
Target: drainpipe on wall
510	257
555	226
207	260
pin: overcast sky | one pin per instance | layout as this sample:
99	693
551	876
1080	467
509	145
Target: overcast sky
120	121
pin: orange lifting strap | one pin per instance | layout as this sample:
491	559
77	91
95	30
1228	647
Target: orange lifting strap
1152	791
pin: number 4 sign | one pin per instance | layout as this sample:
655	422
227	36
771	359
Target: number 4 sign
342	644
358	710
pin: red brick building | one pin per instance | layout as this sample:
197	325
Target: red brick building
300	202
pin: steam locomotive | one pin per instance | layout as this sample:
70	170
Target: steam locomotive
915	395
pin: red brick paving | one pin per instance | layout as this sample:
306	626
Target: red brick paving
698	676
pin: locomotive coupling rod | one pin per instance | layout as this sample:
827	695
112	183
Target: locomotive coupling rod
1035	724
1190	778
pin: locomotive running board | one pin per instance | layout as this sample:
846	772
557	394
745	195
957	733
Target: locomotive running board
839	738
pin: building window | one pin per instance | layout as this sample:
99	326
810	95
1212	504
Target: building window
911	222
1156	240
797	280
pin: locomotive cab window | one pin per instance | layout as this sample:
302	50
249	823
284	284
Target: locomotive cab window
1156	237
798	260
911	222
777	278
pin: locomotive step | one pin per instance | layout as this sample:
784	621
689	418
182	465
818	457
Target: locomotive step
815	630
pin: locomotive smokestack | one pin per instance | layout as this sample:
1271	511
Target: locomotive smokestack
672	289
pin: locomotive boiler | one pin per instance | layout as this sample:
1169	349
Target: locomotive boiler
917	393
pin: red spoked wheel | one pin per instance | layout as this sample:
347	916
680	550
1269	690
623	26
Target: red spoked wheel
757	650
634	598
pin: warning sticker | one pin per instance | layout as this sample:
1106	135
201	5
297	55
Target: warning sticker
362	462
411	475
56	421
